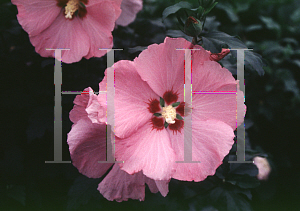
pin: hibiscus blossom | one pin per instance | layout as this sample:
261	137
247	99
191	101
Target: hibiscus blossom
149	111
87	145
129	10
83	26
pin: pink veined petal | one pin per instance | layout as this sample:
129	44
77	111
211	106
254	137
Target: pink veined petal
158	185
211	142
151	184
36	15
65	34
114	3
86	105
93	109
132	96
87	145
121	186
129	10
148	150
78	112
162	66
99	22
217	95
163	186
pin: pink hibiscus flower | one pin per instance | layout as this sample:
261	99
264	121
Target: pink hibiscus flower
129	10
83	26
150	136
87	145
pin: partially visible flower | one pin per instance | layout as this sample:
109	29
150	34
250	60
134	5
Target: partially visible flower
129	10
263	166
149	111
87	145
218	56
83	26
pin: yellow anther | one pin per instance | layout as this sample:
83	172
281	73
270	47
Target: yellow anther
71	7
169	114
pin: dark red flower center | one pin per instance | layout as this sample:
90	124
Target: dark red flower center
73	8
167	112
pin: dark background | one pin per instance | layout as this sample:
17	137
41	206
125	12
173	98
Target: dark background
271	28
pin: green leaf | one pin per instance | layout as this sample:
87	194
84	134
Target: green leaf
226	198
175	8
17	192
270	23
162	102
200	12
175	104
296	15
157	114
178	33
244	181
137	49
214	41
166	124
210	8
82	4
228	8
179	117
81	192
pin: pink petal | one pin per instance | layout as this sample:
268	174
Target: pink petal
163	186
158	185
66	34
132	96
151	184
148	150
162	66
209	78
36	15
87	145
211	142
99	23
86	105
129	10
121	186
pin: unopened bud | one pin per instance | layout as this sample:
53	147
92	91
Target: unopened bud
193	27
263	166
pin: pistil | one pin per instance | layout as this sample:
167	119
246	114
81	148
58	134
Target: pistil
169	114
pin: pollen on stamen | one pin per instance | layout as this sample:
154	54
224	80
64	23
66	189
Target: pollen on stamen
73	8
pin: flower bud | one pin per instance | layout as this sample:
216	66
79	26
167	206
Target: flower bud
263	166
192	27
